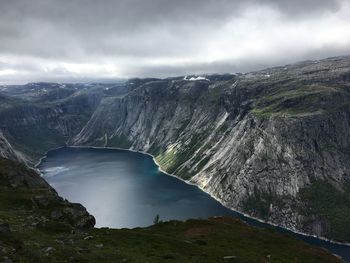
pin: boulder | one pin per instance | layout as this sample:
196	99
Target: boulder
5	228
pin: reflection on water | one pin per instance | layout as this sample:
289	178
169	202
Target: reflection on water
126	189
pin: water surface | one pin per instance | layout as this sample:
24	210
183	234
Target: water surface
126	189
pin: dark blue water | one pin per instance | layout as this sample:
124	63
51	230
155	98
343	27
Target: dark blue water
126	189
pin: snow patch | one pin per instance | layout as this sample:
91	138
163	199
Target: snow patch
196	78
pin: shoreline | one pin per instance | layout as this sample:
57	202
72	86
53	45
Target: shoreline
193	184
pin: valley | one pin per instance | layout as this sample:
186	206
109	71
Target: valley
273	144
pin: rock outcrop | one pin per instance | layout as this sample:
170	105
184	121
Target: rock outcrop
21	182
6	150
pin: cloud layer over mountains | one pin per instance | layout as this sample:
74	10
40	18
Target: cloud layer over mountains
81	40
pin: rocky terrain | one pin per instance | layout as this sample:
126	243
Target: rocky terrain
273	144
6	150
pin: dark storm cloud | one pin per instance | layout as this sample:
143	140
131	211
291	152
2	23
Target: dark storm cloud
145	37
293	8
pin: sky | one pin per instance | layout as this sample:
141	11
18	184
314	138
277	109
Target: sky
88	40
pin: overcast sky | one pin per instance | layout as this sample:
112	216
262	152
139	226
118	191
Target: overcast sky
81	40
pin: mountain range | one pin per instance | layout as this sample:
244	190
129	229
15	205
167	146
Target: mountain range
272	144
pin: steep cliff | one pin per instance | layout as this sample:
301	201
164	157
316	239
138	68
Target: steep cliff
214	132
6	150
33	124
273	144
265	143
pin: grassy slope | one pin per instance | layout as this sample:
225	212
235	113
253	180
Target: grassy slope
35	237
302	100
331	204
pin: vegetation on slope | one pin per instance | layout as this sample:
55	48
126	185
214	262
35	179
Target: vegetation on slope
34	126
331	204
302	100
33	230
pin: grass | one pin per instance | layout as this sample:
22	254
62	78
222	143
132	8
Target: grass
301	100
332	204
171	160
191	241
35	237
35	127
35	140
119	141
259	204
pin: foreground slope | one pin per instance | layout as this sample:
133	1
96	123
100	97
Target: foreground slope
36	225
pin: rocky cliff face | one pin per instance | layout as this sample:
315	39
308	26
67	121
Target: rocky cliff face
26	187
33	124
262	143
273	144
6	150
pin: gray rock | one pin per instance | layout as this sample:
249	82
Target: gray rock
6	260
49	249
41	201
56	214
229	257
5	228
86	221
78	214
6	150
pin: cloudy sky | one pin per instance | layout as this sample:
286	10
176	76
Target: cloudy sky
82	40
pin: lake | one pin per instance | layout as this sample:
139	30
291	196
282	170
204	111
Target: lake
125	189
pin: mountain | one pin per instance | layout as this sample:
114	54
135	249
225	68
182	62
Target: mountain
273	144
33	121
